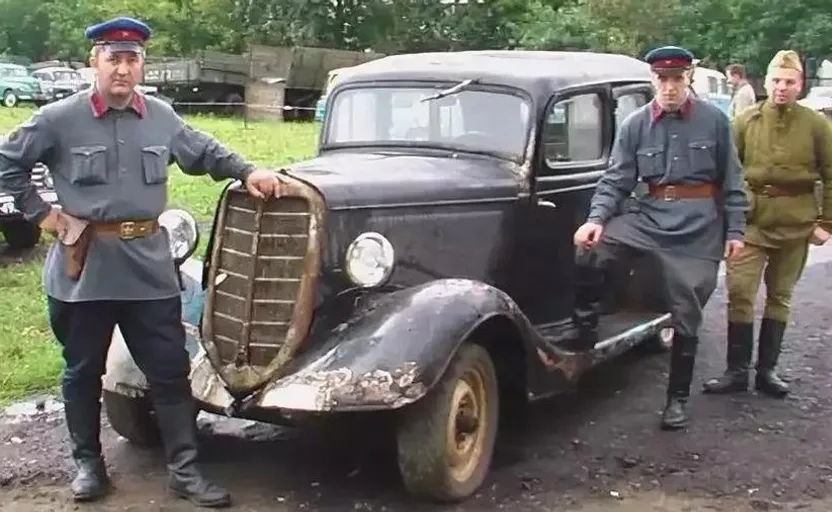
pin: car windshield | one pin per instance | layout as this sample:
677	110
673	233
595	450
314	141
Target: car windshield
472	120
67	75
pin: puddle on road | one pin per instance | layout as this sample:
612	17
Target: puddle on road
24	411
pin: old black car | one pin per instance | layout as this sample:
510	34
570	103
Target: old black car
421	264
18	232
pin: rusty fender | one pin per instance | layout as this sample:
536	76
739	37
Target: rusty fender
391	354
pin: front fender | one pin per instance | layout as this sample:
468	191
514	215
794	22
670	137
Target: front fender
122	374
391	352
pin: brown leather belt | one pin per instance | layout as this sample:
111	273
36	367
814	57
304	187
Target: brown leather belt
782	190
686	191
126	230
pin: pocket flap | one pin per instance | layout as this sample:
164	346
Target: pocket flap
160	151
650	151
87	151
701	144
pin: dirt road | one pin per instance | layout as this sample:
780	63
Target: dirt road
598	450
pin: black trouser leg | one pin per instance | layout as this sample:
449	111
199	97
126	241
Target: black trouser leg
768	352
84	329
740	347
682	359
155	337
589	289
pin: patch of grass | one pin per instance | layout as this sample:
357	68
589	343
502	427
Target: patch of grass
30	359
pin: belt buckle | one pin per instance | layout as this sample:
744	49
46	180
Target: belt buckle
670	193
127	230
767	190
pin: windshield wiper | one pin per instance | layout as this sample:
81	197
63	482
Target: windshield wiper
447	92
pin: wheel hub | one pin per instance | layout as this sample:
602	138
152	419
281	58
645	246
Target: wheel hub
466	424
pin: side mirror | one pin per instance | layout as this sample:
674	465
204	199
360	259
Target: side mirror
183	233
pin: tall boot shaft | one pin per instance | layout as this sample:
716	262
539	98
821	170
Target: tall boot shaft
740	348
177	423
83	421
682	359
768	353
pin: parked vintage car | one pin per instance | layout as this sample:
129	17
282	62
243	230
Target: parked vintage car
19	233
17	85
58	82
420	265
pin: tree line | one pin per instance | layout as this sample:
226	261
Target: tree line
718	31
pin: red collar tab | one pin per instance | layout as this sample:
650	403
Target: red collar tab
657	112
99	106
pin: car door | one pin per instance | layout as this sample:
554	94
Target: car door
573	151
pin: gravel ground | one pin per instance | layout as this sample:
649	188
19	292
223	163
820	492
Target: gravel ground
597	450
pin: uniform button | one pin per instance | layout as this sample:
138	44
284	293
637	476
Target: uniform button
121	141
122	170
675	158
673	136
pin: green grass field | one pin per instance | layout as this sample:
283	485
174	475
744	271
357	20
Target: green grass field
30	359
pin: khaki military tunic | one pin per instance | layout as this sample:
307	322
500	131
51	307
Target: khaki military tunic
789	148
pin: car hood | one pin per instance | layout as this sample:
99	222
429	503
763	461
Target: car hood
356	180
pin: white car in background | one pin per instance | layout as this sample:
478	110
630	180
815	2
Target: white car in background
89	76
819	99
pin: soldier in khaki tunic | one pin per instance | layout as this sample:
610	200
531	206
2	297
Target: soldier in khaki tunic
693	216
785	149
109	151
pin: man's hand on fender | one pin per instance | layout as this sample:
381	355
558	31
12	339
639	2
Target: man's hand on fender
588	235
264	184
733	248
819	236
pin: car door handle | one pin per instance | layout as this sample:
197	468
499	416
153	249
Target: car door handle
547	204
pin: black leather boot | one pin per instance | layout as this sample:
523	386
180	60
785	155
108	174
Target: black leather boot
682	358
589	285
83	420
768	351
178	427
740	346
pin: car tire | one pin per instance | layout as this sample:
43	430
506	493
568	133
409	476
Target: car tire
435	463
9	99
20	235
132	418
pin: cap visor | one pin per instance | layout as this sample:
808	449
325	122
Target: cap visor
122	46
670	71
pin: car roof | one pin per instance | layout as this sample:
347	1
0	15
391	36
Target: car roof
539	72
11	65
50	69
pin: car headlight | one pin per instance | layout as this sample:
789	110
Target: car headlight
183	233
369	260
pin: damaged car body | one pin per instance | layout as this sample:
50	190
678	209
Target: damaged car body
421	264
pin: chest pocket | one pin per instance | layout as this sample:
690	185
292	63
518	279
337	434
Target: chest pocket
650	162
701	155
155	164
88	165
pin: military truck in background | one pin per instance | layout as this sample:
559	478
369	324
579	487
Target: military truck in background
261	80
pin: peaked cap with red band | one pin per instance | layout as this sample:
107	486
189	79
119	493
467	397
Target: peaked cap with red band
119	34
669	60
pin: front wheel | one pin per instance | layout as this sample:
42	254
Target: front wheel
446	440
132	418
9	99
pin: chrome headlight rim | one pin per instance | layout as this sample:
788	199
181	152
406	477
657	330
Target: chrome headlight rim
351	259
180	226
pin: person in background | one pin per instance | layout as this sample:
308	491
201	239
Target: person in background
744	95
785	149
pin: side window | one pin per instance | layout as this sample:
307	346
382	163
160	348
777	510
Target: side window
573	131
627	104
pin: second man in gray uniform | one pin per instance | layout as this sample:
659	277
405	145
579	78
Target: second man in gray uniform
692	216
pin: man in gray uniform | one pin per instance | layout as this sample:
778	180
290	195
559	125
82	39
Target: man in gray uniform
692	216
109	151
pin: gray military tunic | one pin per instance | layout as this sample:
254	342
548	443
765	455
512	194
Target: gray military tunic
685	236
110	168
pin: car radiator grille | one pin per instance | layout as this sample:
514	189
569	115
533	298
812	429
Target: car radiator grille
261	253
